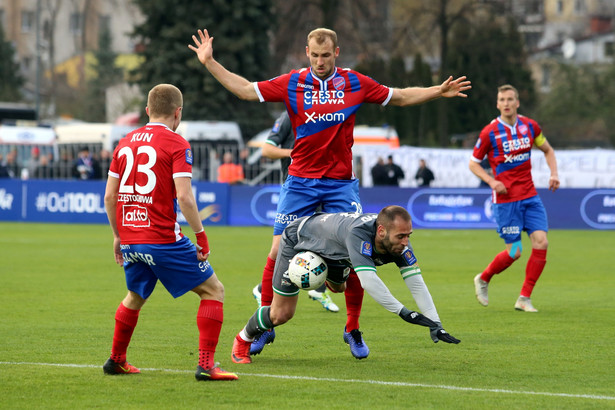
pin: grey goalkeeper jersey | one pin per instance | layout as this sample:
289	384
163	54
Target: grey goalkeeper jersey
349	238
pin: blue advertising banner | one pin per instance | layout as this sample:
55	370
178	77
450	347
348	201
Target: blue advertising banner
255	205
83	201
222	204
11	206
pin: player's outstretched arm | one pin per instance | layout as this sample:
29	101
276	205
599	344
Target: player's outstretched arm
435	328
419	95
203	47
455	88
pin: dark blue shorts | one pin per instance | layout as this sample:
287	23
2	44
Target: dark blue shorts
174	264
514	217
304	196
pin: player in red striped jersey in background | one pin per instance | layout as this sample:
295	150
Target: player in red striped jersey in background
507	142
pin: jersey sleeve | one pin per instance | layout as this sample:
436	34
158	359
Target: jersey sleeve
182	159
360	252
281	131
375	92
539	137
481	148
273	90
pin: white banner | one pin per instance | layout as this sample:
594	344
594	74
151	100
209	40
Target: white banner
594	168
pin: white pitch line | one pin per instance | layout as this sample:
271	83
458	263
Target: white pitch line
328	379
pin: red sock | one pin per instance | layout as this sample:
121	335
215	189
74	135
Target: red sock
354	301
125	323
501	261
533	270
209	321
267	287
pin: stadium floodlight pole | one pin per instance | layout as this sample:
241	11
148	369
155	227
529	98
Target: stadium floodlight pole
38	60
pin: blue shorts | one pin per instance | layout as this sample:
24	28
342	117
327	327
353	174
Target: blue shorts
304	196
174	264
514	217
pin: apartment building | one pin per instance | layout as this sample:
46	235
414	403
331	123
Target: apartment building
48	33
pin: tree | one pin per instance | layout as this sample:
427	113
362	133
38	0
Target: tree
12	80
431	22
241	44
106	75
490	55
578	112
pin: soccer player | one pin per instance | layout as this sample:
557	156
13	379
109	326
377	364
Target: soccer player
507	142
321	101
149	176
347	240
279	145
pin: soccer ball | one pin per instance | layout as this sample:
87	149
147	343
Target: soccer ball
307	270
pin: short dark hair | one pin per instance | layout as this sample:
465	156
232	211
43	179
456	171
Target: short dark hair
389	213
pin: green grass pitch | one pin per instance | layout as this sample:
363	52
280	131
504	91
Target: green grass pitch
59	288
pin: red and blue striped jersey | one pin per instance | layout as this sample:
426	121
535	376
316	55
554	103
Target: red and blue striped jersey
322	113
509	149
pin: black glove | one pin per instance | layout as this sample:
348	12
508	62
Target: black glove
416	318
437	334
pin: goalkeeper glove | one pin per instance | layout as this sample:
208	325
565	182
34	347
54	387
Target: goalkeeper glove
201	243
437	334
416	318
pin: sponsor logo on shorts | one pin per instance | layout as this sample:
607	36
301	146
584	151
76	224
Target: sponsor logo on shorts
511	230
284	219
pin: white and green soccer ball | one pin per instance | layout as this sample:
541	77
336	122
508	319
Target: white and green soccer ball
307	270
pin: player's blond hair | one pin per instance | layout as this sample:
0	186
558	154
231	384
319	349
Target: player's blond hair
163	100
508	87
320	35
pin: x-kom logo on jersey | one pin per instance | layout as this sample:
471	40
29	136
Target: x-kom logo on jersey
337	117
310	117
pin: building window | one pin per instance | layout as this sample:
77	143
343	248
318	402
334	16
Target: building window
559	7
2	18
75	23
26	63
27	21
579	6
104	23
609	49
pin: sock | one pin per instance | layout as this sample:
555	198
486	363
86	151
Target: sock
259	323
125	323
501	261
209	321
354	301
267	287
533	270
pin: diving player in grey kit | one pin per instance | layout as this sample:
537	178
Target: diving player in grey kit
345	240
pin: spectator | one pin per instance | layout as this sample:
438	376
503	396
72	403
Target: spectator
8	166
44	168
424	176
34	161
105	161
393	172
229	172
379	171
85	165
